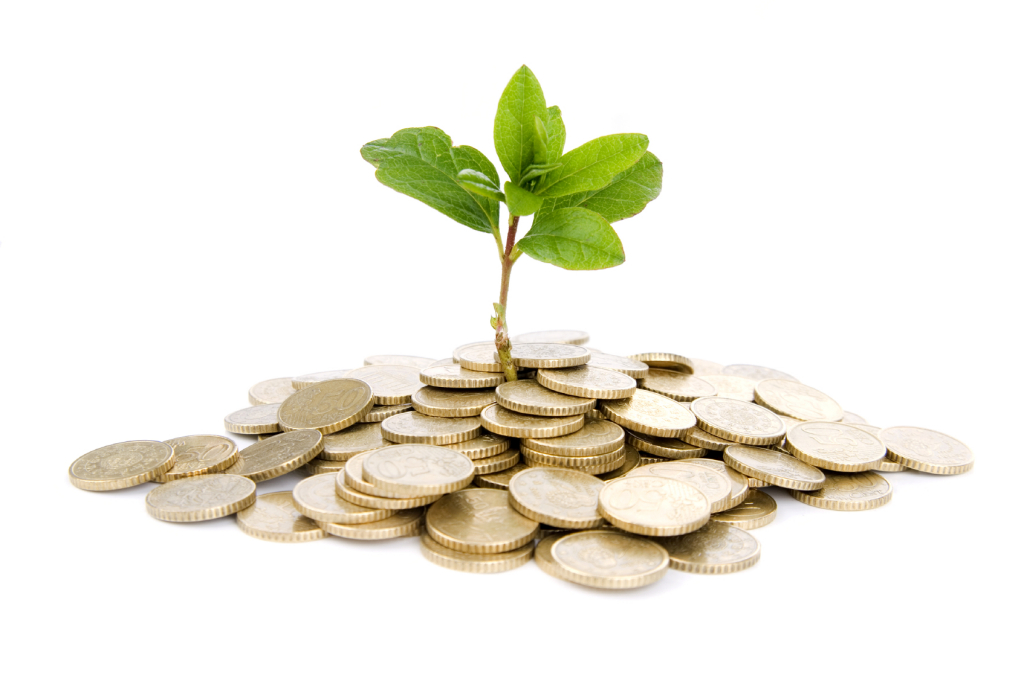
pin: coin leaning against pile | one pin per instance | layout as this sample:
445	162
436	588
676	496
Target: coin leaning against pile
607	470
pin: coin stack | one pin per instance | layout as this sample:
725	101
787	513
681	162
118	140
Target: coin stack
606	470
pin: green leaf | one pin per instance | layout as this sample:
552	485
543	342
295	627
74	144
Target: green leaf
540	141
573	238
514	128
521	202
627	194
479	183
536	171
421	163
593	165
556	133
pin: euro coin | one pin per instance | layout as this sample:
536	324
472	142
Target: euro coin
271	391
364	494
199	455
478	357
715	549
529	396
326	406
757	510
709	482
553	337
732	386
603	559
411	470
379	412
315	498
397	360
774	467
452	403
484	446
274	518
547	355
478	521
500	479
653	506
557	497
122	465
482	563
588	382
738	481
705	440
848	492
278	455
927	450
354	440
557	461
796	400
203	497
391	385
621	364
406	523
253	420
494	464
887	465
630	461
664	360
310	379
597	469
738	421
664	447
417	428
454	376
501	421
595	437
650	414
676	385
757	373
835	446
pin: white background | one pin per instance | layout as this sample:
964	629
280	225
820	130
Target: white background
184	212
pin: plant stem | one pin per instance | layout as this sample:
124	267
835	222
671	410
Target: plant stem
501	339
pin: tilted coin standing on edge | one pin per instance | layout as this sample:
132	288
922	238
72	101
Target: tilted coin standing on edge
534	355
603	559
452	403
848	492
552	337
715	549
757	510
714	485
482	563
650	414
774	467
417	428
117	466
274	518
405	523
757	373
796	400
588	382
927	450
260	419
411	470
204	497
454	376
557	497
676	385
278	455
326	406
500	420
479	521
653	506
835	446
199	455
529	396
271	391
738	421
390	384
316	498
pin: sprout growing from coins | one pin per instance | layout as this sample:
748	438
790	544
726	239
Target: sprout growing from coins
573	197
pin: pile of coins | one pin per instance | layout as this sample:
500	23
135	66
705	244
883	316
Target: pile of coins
606	470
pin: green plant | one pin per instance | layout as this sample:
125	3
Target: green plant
573	197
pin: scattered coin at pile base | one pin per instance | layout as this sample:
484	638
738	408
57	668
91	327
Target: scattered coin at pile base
352	441
121	465
479	521
529	396
779	469
398	360
274	518
203	497
411	470
796	400
706	440
533	355
500	420
757	373
732	386
927	450
278	455
478	357
595	437
603	559
417	428
349	485
621	364
664	447
663	360
712	484
484	446
556	461
757	510
631	460
653	506
454	376
379	412
740	482
199	455
391	385
650	414
316	498
406	523
588	382
451	403
715	549
848	492
676	385
310	379
499	479
326	406
495	464
853	418
558	497
738	421
253	420
835	446
552	337
887	465
271	391
481	563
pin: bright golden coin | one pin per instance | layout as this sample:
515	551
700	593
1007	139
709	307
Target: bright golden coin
349	485
757	510
271	391
318	466
853	418
411	470
547	355
653	506
304	381
495	464
598	469
715	549
122	465
204	497
405	523
500	479
552	337
588	382
398	360
848	492
479	521
199	455
529	396
706	440
650	414
558	497
709	482
738	421
887	465
757	373
604	559
352	441
478	357
631	461
595	437
315	498
927	450
676	385
835	446
702	367
391	385
739	482
500	420
454	376
253	420
621	364
732	386
484	446
278	455
379	412
416	428
557	461
274	518
326	406
452	403
483	563
754	483
664	447
774	467
663	360
793	399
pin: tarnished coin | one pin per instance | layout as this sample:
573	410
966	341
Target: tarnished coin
121	465
452	403
664	360
199	455
552	337
271	391
676	385
796	400
454	376
853	418
757	510
253	420
315	497
406	523
706	440
390	384
757	373
927	450
835	446
664	447
848	492
775	467
620	364
650	414
887	465
416	428
318	466
715	549
411	470
500	479
204	497
557	497
738	421
702	367
479	521
534	355
709	482
274	518
326	406
494	464
739	482
398	360
630	461
557	461
653	506
351	486
595	437
379	412
588	382
354	440
597	469
310	379
529	396
484	446
478	357
483	563
604	559
732	386
500	420
278	455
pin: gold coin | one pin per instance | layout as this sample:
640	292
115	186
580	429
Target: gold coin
793	399
274	518
315	498
927	450
757	373
706	440
500	420
271	391
484	446
702	367
494	464
547	355
379	412
848	492
529	396
363	493
738	421
757	510
391	385
267	435
663	360
650	414
653	506
887	465
558	497
598	469
604	559
552	337
732	386
121	465
278	455
754	483
405	523
478	521
354	440
648	460
203	497
594	414
595	437
835	446
774	467
478	357
304	381
557	461
676	385
664	447
411	470
318	466
253	420
500	479
416	428
853	418
454	376
398	360
326	406
631	460
483	563
588	382
715	549
709	482
739	482
452	403
621	364
199	455
455	354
